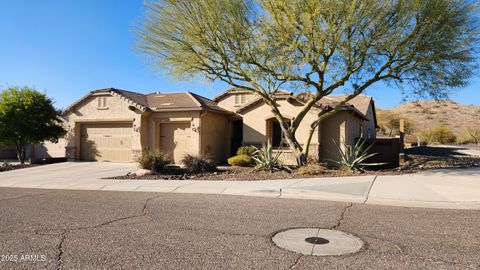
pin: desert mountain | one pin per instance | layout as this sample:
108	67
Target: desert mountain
425	114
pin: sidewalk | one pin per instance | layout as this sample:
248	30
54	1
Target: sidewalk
454	189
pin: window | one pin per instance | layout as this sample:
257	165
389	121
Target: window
239	99
102	103
278	137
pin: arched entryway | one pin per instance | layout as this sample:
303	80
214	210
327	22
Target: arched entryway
274	132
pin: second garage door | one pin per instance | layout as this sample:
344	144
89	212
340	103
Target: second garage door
106	142
175	140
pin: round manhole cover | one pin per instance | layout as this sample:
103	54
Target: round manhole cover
318	242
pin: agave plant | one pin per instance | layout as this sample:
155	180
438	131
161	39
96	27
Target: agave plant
266	160
353	156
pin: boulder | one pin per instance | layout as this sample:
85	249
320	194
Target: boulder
142	172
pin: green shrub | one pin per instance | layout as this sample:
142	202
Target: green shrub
440	134
153	160
265	160
247	150
198	163
353	156
312	169
240	160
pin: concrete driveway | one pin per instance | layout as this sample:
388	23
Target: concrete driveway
455	189
68	175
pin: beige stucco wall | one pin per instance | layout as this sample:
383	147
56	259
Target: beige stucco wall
116	110
369	129
353	126
255	127
228	102
344	128
332	128
49	150
146	126
157	118
215	135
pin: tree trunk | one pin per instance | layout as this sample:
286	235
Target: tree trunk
294	144
306	145
21	153
296	148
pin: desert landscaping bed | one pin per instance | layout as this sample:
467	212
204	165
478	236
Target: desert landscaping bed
431	157
418	159
9	167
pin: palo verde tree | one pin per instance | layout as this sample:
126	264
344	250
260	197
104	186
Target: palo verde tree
315	47
27	117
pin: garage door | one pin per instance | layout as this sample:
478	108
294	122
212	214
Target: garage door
106	142
175	140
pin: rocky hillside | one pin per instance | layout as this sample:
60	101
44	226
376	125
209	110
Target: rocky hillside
426	114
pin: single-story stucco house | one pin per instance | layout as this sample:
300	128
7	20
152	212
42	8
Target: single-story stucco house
117	125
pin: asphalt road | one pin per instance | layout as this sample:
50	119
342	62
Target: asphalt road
112	230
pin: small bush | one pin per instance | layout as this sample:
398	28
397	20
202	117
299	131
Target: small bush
266	160
6	167
240	160
198	163
472	133
153	160
464	139
312	169
440	134
247	150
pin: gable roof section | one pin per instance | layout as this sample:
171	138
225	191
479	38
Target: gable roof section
327	102
133	98
181	100
361	102
157	101
237	90
207	103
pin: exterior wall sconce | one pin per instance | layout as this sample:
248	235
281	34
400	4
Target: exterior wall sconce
194	128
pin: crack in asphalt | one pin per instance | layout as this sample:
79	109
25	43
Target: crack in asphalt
342	216
59	259
297	261
29	195
399	247
445	261
46	230
143	214
64	232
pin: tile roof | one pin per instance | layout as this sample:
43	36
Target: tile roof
360	102
133	96
165	101
170	101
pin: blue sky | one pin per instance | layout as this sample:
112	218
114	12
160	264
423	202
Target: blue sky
69	47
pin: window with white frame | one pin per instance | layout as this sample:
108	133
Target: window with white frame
102	102
239	99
